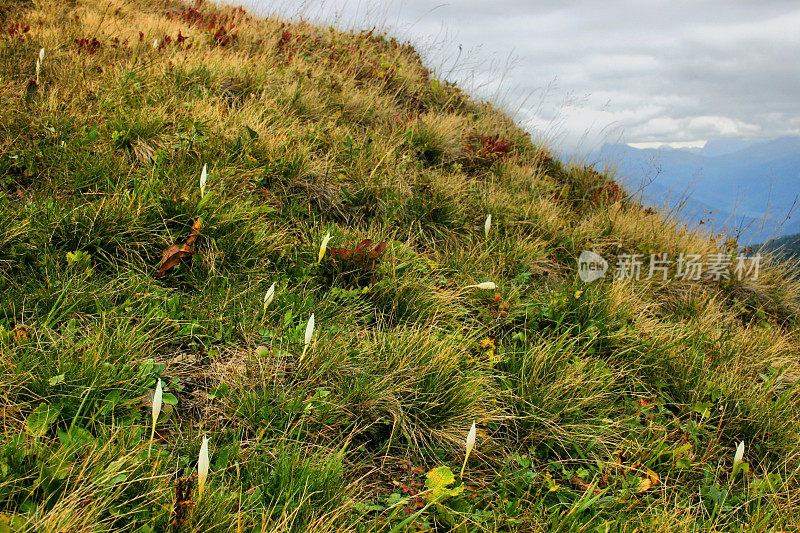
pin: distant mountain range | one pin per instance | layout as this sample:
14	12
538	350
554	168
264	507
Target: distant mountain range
746	188
788	246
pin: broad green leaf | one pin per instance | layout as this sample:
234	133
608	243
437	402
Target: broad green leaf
255	497
55	380
251	132
220	392
703	409
439	477
40	420
438	480
9	523
115	472
740	466
76	435
55	469
769	483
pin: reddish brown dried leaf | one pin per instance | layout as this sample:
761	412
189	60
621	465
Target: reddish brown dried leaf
21	333
196	227
378	251
579	483
176	254
366	243
339	253
649	481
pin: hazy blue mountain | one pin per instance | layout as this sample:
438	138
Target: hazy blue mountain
723	147
749	186
787	246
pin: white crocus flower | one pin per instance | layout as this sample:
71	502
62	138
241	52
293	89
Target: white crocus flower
323	246
310	329
737	458
739	464
39	64
470	442
203	180
487	226
269	296
309	335
202	467
488	285
158	397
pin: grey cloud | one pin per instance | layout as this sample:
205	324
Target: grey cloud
587	71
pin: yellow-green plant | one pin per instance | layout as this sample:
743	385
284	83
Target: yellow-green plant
323	246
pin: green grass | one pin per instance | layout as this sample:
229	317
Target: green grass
615	406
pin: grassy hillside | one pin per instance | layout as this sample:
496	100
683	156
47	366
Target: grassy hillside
611	406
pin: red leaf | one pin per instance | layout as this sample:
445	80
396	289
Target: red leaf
366	243
378	251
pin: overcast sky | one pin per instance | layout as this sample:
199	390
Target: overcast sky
579	73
